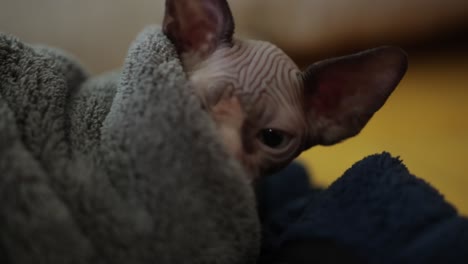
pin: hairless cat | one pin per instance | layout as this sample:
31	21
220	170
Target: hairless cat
266	109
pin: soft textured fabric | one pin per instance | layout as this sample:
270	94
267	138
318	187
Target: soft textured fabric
377	212
121	168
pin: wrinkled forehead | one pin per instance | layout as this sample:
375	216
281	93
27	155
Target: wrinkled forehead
270	73
254	66
265	79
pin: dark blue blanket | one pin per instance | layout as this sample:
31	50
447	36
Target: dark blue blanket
377	212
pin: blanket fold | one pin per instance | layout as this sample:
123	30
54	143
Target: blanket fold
121	168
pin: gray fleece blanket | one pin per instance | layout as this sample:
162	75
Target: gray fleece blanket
122	168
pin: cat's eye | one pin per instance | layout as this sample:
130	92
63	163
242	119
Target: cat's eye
273	138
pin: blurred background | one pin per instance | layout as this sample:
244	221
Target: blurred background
425	121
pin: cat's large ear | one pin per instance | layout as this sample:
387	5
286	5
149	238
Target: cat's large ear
198	27
342	94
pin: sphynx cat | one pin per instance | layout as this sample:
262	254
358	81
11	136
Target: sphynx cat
266	109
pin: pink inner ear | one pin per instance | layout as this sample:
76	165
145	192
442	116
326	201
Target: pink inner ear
332	90
197	37
342	94
198	27
327	97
